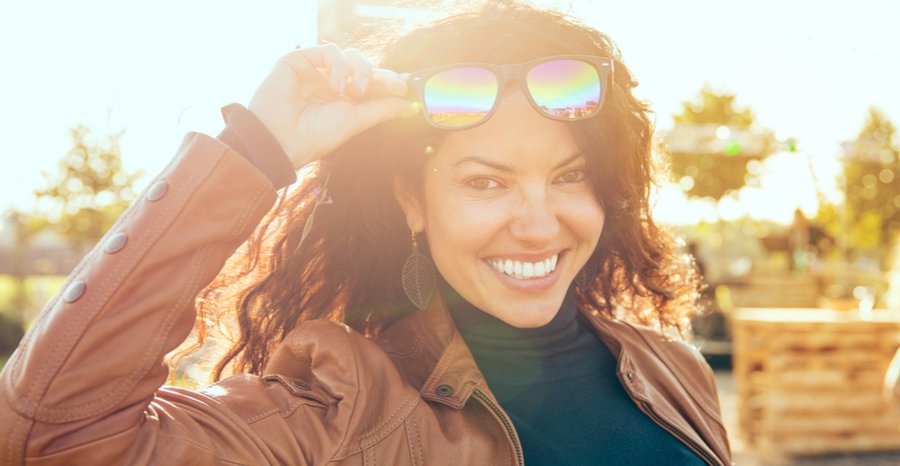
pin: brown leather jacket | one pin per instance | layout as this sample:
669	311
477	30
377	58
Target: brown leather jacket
86	384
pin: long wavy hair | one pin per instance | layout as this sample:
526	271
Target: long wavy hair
348	267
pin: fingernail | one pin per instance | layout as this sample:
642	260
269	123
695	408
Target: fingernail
363	84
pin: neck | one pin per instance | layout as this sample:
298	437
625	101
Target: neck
506	351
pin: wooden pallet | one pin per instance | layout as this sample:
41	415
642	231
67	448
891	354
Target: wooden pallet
813	381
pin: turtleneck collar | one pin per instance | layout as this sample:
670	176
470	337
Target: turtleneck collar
507	354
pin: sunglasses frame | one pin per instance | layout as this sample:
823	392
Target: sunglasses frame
513	72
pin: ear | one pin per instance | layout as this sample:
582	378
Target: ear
410	204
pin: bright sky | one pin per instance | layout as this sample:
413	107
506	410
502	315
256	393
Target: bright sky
809	70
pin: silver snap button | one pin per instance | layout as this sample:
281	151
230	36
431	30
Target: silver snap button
157	191
444	390
74	291
115	243
629	375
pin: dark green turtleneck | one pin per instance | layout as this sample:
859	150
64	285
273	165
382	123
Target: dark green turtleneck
558	385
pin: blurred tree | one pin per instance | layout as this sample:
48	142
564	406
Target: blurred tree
90	191
716	108
872	183
712	143
25	227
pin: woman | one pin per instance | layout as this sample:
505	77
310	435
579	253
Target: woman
470	278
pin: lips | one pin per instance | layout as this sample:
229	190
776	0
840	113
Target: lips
524	269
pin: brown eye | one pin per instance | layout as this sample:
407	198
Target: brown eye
482	183
574	176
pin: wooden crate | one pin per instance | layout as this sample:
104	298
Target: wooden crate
812	381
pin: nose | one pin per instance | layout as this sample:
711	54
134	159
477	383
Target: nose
535	221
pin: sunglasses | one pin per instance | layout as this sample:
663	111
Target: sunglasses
561	87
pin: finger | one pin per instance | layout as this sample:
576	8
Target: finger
328	57
361	71
389	82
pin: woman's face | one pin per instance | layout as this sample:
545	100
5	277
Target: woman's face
509	213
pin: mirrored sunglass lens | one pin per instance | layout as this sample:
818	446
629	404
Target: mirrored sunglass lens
565	89
460	96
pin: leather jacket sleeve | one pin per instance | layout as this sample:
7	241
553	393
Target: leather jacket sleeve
85	384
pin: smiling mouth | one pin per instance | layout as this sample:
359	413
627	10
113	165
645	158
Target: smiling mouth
525	270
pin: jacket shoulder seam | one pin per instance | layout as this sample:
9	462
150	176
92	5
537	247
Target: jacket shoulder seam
716	417
356	377
395	420
377	434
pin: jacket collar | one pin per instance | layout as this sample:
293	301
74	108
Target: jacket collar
432	355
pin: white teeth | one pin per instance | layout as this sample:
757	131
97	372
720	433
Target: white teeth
519	269
527	269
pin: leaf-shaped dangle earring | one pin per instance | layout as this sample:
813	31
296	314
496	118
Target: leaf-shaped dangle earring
418	276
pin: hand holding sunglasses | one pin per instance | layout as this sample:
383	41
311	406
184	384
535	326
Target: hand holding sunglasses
316	98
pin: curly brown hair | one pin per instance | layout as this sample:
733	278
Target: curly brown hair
349	266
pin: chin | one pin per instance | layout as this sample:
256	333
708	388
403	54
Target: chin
534	317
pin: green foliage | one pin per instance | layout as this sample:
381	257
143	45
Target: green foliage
9	289
829	216
50	284
707	144
712	175
716	108
11	331
872	177
25	227
81	202
35	286
12	326
90	191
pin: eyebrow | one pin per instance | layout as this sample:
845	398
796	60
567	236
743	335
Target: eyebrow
508	168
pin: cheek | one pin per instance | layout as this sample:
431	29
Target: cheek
585	217
460	227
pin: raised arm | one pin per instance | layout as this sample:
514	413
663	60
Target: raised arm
84	385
